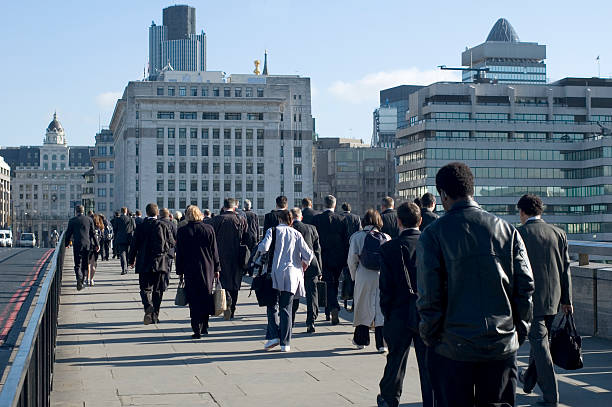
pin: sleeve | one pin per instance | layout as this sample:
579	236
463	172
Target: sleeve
352	259
92	234
179	255
305	252
215	253
134	246
385	282
159	239
522	306
264	246
316	248
431	280
256	221
566	275
69	232
244	236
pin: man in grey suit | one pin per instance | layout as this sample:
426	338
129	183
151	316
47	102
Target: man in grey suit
548	254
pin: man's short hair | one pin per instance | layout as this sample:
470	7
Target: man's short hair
428	200
330	201
116	213
285	216
247	204
90	213
306	203
346	207
387	202
417	202
206	212
138	213
531	204
296	213
164	213
281	201
456	180
409	214
151	209
124	210
229	203
79	209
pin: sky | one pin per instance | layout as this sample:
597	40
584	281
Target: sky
76	57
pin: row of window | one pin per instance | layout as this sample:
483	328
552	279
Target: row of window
521	117
503	209
54	157
215	168
517	191
206	202
210	116
102	192
204	91
516	173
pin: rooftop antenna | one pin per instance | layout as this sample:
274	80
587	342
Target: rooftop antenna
598	67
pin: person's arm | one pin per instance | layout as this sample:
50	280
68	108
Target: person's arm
316	248
305	253
134	247
92	235
431	280
566	278
352	259
69	232
385	281
522	306
178	255
264	246
215	254
257	237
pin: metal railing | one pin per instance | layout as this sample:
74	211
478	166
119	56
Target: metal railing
30	378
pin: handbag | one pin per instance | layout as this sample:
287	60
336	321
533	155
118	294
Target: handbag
181	296
566	344
219	298
264	290
321	293
348	285
244	256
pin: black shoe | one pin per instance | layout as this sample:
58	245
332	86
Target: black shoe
527	388
381	402
334	317
310	329
196	336
155	319
327	317
79	285
123	272
148	319
232	315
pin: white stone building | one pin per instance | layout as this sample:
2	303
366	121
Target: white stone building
103	163
5	193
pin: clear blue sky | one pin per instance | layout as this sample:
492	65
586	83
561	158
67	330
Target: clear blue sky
77	56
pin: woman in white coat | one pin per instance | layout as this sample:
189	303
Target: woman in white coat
366	298
291	257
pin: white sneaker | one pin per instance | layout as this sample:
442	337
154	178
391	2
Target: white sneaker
92	283
271	343
358	346
383	349
285	348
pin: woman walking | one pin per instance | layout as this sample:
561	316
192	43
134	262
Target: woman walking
197	262
291	258
95	249
365	272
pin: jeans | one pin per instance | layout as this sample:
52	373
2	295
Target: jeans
280	312
540	369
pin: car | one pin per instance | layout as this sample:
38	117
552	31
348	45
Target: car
27	240
6	238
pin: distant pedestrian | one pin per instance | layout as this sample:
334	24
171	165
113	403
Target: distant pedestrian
428	205
307	212
197	262
178	216
149	254
389	217
271	218
291	258
164	218
398	295
183	221
115	225
96	242
206	213
333	232
123	237
549	257
81	233
475	286
252	233
353	222
366	302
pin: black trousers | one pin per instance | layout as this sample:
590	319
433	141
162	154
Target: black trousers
312	301
105	249
233	294
361	336
199	324
399	336
152	287
81	263
122	252
456	383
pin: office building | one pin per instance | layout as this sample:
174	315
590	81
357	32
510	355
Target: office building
199	137
505	58
46	182
353	172
553	140
397	98
175	44
103	162
5	194
384	127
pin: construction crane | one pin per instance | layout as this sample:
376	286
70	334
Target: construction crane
478	77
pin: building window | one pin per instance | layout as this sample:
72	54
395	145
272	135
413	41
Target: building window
160	167
193	133
227	134
297	187
171	202
210	115
101	165
216	168
260	134
182	150
160	201
188	115
171	166
238	184
260	168
227	168
249	168
249	185
204	167
249	92
182	91
193	168
160	132
238	150
297	152
204	91
260	151
193	150
165	115
194	91
182	186
171	185
170	90
227	185
194	185
204	150
238	168
160	185
160	149
297	169
260	203
255	116
260	92
227	92
227	150
238	134
260	185
249	134
205	134
215	151
249	151
216	133
215	91
160	91
204	189
215	186
233	116
182	133
182	168
171	133
182	203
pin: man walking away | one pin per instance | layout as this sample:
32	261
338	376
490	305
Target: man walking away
106	239
475	286
353	222
271	218
307	212
149	251
230	231
81	231
123	237
549	257
389	217
138	219
428	205
252	233
114	223
164	218
332	231
398	294
312	273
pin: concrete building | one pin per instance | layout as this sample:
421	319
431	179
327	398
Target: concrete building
175	43
104	175
46	182
199	137
397	98
550	139
5	194
507	59
353	172
384	127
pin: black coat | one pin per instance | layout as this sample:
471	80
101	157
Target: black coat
252	237
549	257
81	231
428	217
396	300
150	246
230	232
390	227
308	215
138	220
353	223
197	259
167	222
310	235
333	232
124	230
271	219
475	285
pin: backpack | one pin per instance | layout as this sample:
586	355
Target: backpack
370	257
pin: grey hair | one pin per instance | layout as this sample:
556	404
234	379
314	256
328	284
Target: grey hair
247	204
330	201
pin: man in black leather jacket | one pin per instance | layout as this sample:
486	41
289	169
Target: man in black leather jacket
475	287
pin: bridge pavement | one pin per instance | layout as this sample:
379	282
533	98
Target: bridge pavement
107	357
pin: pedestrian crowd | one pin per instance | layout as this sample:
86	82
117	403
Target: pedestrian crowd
465	289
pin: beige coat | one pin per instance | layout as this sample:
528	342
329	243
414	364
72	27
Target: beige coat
367	294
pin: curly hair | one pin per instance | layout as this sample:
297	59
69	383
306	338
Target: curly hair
456	180
531	204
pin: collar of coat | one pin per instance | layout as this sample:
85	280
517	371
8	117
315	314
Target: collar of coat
410	232
464	204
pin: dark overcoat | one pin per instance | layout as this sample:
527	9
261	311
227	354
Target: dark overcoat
230	232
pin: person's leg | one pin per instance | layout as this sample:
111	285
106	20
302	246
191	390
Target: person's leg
361	335
77	266
272	331
378	337
122	251
84	264
395	369
452	380
312	305
285	303
539	341
234	295
157	294
495	382
146	294
420	350
294	308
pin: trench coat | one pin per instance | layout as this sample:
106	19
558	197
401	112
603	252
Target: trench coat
230	232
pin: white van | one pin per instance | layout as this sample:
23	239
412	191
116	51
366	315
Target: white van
27	240
6	238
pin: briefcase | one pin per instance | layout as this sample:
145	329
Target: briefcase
566	344
322	293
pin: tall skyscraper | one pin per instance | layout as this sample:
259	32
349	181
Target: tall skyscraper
507	59
175	44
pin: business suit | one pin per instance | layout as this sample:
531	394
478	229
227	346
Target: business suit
353	223
390	227
427	217
549	257
123	238
81	231
332	231
171	249
398	304
252	232
271	219
312	273
308	215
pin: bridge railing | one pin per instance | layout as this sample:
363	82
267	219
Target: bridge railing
30	378
592	287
